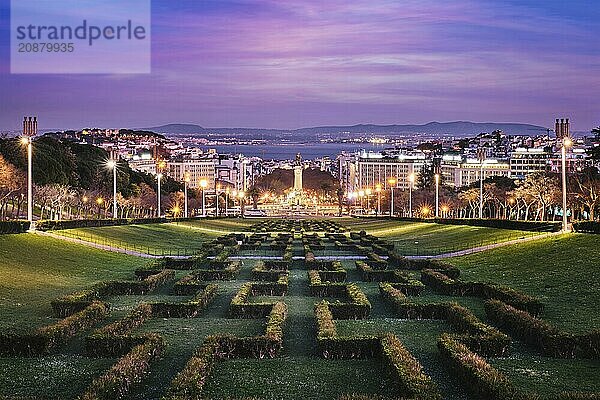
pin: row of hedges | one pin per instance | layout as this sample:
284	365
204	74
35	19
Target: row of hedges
397	261
587	226
129	370
229	271
268	273
190	382
369	274
48	337
114	339
187	309
240	307
74	302
357	305
547	338
329	271
443	284
475	334
402	367
13	226
49	225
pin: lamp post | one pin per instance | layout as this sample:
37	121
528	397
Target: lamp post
241	196
392	182
186	181
378	191
227	201
159	178
112	164
437	195
361	195
411	181
566	142
481	158
29	131
203	186
217	188
368	193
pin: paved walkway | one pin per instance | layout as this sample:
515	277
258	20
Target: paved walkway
438	256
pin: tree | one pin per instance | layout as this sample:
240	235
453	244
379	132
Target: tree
542	188
254	194
588	189
12	181
425	179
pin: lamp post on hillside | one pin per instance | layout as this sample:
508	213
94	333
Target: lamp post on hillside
217	189
392	182
186	181
112	164
378	191
29	131
203	186
159	178
481	158
411	181
437	195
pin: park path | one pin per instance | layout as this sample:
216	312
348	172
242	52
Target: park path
464	252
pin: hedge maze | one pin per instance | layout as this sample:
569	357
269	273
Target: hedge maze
322	305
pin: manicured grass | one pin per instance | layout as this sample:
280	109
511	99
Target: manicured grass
563	271
37	269
419	238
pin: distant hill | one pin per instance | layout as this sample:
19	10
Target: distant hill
457	128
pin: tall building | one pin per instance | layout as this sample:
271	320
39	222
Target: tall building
458	171
527	161
198	169
367	169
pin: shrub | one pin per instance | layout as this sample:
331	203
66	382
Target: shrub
547	338
479	376
114	339
130	369
587	226
406	370
188	309
229	272
443	284
47	337
13	226
241	308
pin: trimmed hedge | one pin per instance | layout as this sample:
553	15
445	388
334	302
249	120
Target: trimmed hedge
48	337
77	301
241	308
189	383
188	309
547	338
114	339
476	374
443	284
129	370
406	370
478	336
369	274
48	225
13	227
229	272
587	226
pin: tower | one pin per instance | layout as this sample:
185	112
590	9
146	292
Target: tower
298	174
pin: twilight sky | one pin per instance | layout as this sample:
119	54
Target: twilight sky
296	63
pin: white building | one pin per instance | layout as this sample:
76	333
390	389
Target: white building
457	171
525	161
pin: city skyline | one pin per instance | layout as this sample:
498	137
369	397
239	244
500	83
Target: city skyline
270	65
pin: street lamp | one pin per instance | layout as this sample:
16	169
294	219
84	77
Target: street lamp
241	196
566	142
217	188
481	158
368	194
437	195
361	195
159	177
203	186
99	201
112	164
26	141
392	182
378	190
411	181
186	181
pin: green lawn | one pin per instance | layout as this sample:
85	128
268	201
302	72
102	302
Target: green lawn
419	238
563	271
176	238
37	269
